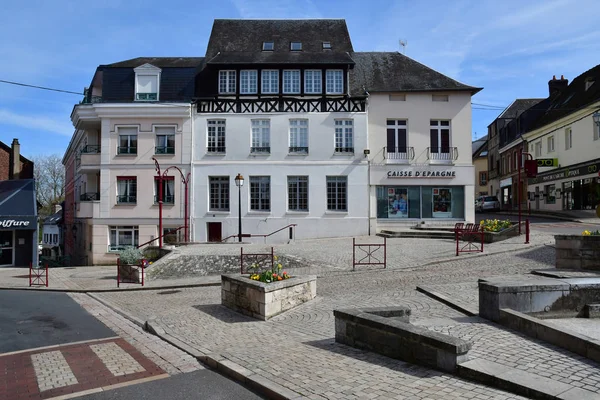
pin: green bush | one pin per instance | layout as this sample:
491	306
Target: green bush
130	256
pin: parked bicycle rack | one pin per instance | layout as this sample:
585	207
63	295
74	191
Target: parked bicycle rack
38	276
369	253
471	233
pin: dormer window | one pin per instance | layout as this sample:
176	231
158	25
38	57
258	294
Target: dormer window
296	46
268	46
326	45
147	83
227	82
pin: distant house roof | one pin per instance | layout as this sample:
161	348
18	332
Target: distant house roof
160	62
479	146
269	57
9	149
17	200
573	98
242	35
394	72
54	219
518	107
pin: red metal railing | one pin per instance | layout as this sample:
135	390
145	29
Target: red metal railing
38	276
369	253
127	273
258	257
260	234
159	237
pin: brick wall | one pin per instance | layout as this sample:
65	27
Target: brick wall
4	164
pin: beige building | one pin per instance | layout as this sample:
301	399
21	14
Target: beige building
480	162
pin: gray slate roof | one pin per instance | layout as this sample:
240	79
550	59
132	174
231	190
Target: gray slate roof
394	72
517	108
293	57
248	35
54	218
478	145
160	62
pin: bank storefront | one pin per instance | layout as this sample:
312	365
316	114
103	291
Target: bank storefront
18	223
576	187
422	193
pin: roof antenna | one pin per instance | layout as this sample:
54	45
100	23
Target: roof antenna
403	43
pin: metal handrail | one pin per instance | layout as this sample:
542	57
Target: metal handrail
158	237
399	153
258	234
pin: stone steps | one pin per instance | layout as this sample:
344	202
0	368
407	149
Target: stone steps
521	382
425	234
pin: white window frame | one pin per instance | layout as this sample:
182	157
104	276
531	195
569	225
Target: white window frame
550	144
344	136
439	127
115	247
298	185
261	136
168	189
334	202
333	85
130	187
227	81
298	136
538	149
222	199
248	81
260	193
216	136
132	134
568	138
147	70
168	133
290	85
268	84
313	81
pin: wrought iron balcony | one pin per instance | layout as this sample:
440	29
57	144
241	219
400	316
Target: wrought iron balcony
260	150
216	149
126	199
284	104
91	149
399	154
167	199
164	150
442	154
345	150
126	150
298	150
91	100
89	196
146	96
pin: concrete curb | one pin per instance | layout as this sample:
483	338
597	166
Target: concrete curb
458	306
116	309
137	289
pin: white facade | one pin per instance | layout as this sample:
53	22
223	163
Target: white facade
575	142
416	172
320	162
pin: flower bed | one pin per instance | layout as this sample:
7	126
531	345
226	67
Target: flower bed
498	230
265	300
578	251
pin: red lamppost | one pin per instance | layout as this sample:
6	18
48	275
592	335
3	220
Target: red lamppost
530	171
185	179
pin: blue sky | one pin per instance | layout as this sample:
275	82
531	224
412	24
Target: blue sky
511	48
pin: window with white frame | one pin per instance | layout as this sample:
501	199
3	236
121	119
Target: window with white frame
538	149
298	193
396	138
298	136
165	140
168	190
334	81
261	136
439	134
344	136
122	237
127	141
216	136
312	81
248	81
291	81
337	193
269	81
219	193
147	82
568	138
226	82
126	190
260	193
550	144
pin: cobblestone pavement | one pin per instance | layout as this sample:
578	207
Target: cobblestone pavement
297	350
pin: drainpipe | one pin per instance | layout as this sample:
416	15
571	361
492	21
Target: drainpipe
191	207
368	162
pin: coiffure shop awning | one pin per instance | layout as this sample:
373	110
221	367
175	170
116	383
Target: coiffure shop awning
18	205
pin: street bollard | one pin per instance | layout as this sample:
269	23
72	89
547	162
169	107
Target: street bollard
527	231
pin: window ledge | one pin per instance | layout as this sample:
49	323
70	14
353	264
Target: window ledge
126	155
331	212
125	204
164	204
215	153
163	154
348	154
297	154
297	212
257	212
219	212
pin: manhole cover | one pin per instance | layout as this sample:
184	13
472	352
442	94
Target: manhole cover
169	292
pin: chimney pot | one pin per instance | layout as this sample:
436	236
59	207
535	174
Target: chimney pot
15	167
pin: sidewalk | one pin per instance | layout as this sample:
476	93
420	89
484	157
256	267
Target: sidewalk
583	216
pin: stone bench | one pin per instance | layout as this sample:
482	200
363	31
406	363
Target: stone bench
387	331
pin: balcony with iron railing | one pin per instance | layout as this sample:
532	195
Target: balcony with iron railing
344	150
298	150
89	196
164	150
260	150
442	155
91	100
216	149
127	150
126	199
89	158
88	208
167	199
146	96
398	155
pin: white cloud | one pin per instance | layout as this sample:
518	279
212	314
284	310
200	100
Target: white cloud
60	126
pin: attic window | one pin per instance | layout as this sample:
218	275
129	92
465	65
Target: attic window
147	83
268	46
296	46
326	45
588	84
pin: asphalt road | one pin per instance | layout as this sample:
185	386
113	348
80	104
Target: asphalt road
548	225
203	384
32	319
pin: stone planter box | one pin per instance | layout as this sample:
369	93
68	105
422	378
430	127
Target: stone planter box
129	273
265	300
491	237
577	252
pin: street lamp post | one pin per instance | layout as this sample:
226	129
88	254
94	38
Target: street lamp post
239	182
519	187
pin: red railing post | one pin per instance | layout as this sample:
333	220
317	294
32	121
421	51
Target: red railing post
527	231
384	252
519	186
353	253
143	269
30	270
241	260
118	272
187	233
46	274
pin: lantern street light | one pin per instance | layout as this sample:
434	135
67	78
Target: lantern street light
239	182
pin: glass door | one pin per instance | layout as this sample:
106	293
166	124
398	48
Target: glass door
6	248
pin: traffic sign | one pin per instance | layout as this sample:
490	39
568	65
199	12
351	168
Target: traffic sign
547	162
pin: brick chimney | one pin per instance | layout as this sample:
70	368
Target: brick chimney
555	86
15	160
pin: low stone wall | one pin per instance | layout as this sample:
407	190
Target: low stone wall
265	300
551	333
374	329
577	252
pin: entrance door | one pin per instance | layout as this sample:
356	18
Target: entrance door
7	245
214	231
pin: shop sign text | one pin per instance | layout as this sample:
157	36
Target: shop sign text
408	173
10	223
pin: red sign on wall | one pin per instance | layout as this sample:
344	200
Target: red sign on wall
531	168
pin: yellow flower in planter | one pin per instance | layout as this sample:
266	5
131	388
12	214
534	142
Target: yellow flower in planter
586	233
